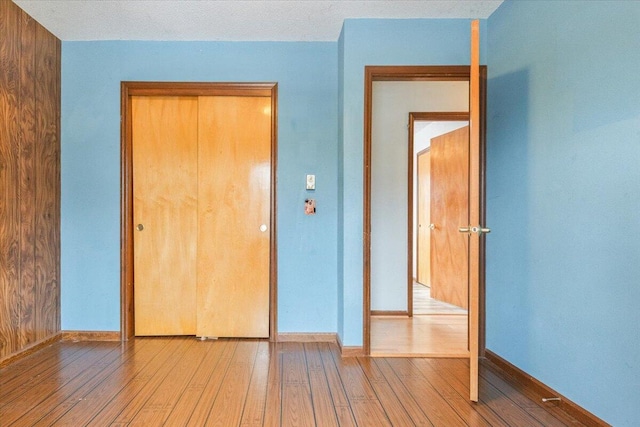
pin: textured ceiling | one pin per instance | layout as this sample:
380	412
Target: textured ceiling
231	20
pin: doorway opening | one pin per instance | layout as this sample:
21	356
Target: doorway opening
438	294
374	314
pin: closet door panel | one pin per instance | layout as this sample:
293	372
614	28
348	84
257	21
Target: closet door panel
164	139
234	193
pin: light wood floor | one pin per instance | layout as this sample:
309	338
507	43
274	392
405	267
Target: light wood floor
437	329
419	336
186	382
424	304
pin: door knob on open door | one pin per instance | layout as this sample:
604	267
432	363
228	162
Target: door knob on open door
139	227
480	230
477	230
263	227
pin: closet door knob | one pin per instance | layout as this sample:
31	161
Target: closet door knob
263	227
139	227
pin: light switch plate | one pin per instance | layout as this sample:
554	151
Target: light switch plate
311	182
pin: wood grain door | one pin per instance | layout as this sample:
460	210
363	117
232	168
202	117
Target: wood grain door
165	191
449	211
202	213
234	159
424	218
475	217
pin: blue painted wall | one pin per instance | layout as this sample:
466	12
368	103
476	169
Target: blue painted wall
379	42
307	143
319	258
340	248
563	190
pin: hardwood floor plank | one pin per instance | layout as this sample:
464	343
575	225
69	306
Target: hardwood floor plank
355	382
419	336
364	403
178	381
432	403
458	395
142	387
273	404
512	414
227	408
30	394
254	407
212	387
418	416
294	365
345	416
297	407
423	304
141	377
544	414
336	387
323	406
458	368
501	404
390	401
69	394
369	413
157	408
198	382
91	398
43	361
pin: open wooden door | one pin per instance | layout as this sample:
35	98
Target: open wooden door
475	230
424	218
449	210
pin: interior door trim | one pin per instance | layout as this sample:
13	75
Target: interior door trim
132	88
415	73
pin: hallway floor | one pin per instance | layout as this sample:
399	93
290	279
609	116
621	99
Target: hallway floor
437	329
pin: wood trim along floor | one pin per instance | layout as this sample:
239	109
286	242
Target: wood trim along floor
307	337
91	336
536	390
389	313
349	351
33	348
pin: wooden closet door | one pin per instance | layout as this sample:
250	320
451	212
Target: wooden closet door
234	205
424	218
164	139
449	211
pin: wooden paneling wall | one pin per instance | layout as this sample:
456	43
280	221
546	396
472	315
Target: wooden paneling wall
29	182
